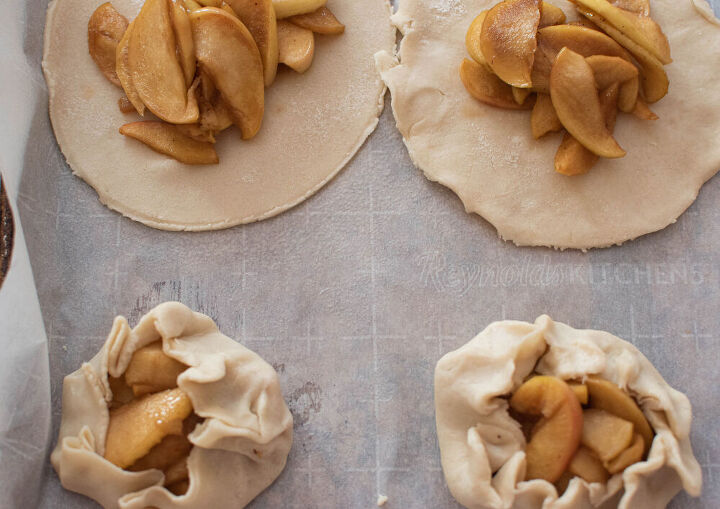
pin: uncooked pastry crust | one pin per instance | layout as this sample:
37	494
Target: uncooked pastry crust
314	123
482	447
488	157
239	449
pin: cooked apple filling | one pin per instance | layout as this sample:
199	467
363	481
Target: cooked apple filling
590	430
150	418
574	76
203	66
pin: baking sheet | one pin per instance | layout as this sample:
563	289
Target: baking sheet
353	296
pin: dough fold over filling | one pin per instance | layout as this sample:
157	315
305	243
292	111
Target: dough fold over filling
240	439
483	447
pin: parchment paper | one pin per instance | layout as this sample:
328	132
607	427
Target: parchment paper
353	296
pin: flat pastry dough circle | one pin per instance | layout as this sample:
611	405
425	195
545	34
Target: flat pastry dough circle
314	123
483	448
239	449
489	158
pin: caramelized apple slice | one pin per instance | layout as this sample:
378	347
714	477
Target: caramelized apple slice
607	435
140	425
259	18
321	21
609	70
484	86
586	465
172	449
105	30
557	437
150	366
575	98
296	45
472	39
543	119
607	396
628	457
642	111
123	71
191	5
581	391
287	8
156	73
510	53
184	40
520	94
639	28
167	139
227	52
550	15
629	95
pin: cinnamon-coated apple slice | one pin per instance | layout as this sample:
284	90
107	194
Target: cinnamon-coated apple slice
157	75
628	457
472	39
510	53
259	18
122	69
557	437
606	434
588	466
486	87
550	15
227	52
296	46
321	21
168	139
544	120
183	39
106	28
287	8
609	70
575	98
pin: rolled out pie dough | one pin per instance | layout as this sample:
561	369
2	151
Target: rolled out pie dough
239	449
482	447
489	158
314	123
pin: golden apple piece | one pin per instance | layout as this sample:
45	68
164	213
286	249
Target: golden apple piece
581	392
639	28
210	3
575	98
140	425
550	15
296	45
105	30
605	434
484	86
184	40
556	438
609	70
586	465
584	22
510	53
151	366
191	5
321	21
607	396
228	54
520	94
572	158
544	120
472	39
214	114
643	111
628	457
641	7
167	139
287	8
156	72
123	71
259	18
171	450
629	95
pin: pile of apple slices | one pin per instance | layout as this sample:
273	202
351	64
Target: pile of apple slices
566	440
202	66
575	76
150	418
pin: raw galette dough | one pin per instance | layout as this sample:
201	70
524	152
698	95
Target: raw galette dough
482	447
489	158
314	123
239	449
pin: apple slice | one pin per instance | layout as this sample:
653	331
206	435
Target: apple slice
149	365
550	15
557	437
140	425
296	46
520	94
287	8
259	18
629	95
581	391
191	5
227	52
169	140
156	72
575	98
510	53
164	455
609	70
639	28
184	40
210	3
642	111
472	39
628	457
123	71
106	28
484	86
321	21
543	120
607	435
607	396
586	465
